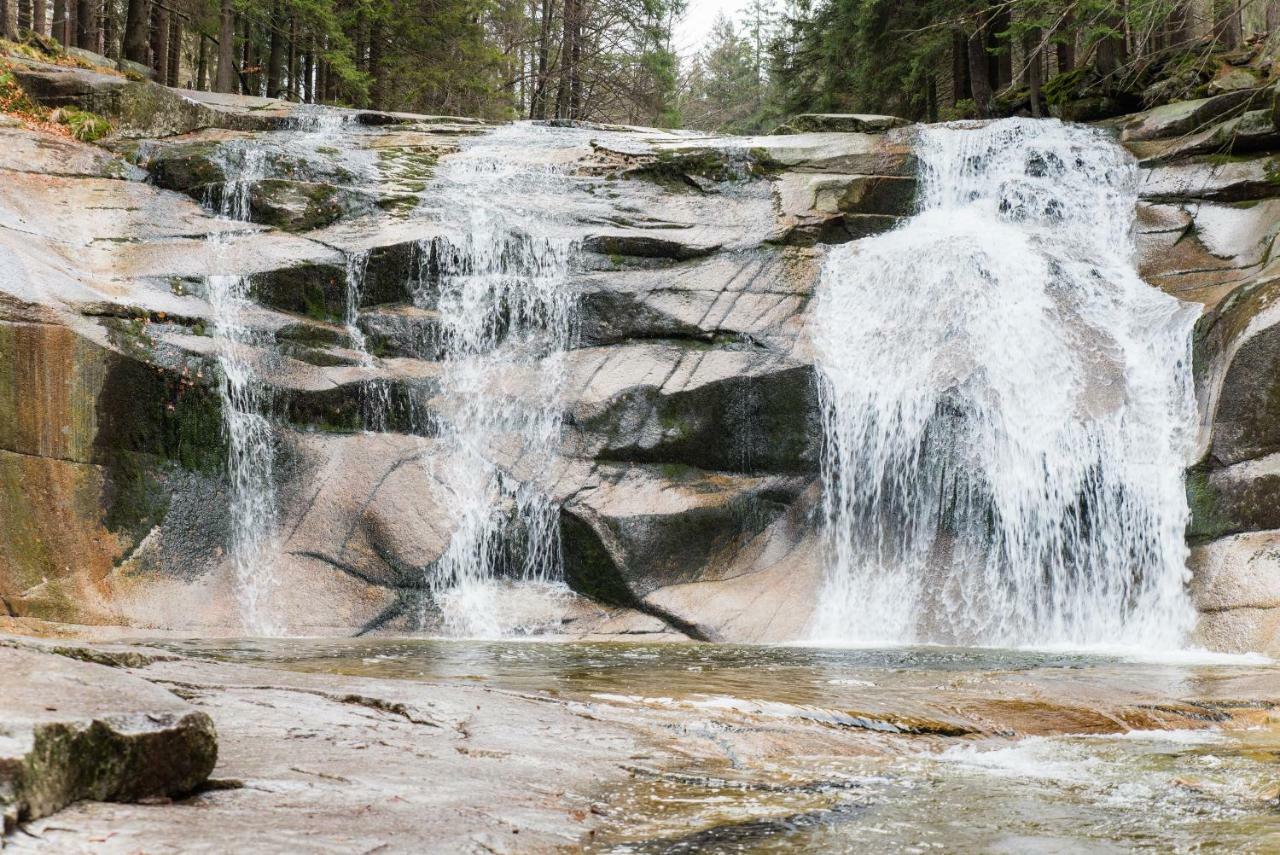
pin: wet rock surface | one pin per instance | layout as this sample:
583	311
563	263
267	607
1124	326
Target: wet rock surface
443	747
690	374
690	371
1207	231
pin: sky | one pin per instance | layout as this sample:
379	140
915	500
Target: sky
691	33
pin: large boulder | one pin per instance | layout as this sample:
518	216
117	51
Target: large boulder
1187	117
97	447
1234	492
1213	179
1236	588
1238	365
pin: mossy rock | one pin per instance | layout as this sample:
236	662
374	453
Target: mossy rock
190	169
1246	420
361	405
316	290
298	206
313	335
1239	499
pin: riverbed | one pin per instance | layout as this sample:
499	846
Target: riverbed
789	749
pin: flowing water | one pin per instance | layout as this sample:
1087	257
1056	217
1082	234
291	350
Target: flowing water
240	346
796	749
500	283
1008	408
375	395
245	403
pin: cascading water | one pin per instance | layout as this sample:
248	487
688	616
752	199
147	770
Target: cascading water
375	403
505	312
1008	408
251	445
246	401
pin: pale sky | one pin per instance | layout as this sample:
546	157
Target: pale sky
692	32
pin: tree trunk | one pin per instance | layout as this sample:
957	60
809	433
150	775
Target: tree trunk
1035	71
330	91
39	20
202	64
135	31
308	73
378	89
1066	49
248	78
1226	23
110	32
538	103
226	79
173	62
69	25
575	67
1001	48
87	24
1273	15
980	71
291	61
1110	55
959	68
1226	18
566	62
160	43
58	26
275	53
9	19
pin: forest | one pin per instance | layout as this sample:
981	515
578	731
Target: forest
615	60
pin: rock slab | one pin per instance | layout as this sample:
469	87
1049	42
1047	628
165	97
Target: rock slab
72	730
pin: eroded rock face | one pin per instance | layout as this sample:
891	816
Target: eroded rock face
72	730
1207	230
691	442
691	435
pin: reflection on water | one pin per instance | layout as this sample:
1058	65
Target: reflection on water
887	750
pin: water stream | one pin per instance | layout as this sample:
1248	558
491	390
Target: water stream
246	400
500	285
375	394
1008	407
245	403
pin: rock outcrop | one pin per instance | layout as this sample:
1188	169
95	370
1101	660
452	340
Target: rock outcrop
691	434
691	439
1207	229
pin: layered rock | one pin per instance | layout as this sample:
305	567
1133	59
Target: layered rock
691	441
1207	228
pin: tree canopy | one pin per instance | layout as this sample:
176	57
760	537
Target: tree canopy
614	60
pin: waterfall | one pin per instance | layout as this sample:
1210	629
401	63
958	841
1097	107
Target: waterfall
375	395
250	440
1008	408
506	314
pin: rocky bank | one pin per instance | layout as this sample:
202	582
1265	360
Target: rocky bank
690	477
